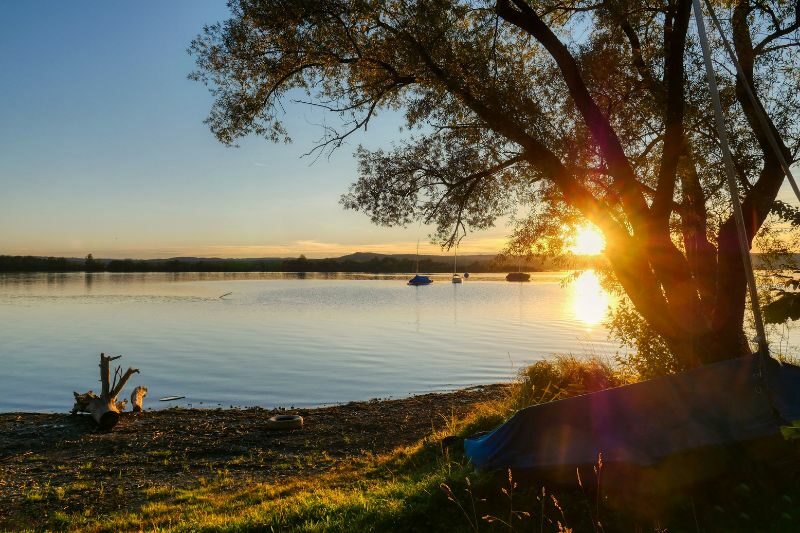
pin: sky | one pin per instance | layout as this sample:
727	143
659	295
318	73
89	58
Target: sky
103	149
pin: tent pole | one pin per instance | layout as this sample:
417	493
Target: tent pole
730	172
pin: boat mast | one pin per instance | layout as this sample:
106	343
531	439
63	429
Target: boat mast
417	272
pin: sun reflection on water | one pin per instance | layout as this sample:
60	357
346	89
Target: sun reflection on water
589	301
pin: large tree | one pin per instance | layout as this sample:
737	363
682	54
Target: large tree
560	109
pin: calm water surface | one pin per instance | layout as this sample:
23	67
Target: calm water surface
280	340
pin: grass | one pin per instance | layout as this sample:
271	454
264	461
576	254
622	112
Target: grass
562	377
382	493
431	487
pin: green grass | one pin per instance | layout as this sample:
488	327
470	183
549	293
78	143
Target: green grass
428	487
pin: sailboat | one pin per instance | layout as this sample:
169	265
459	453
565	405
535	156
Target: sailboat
417	279
456	277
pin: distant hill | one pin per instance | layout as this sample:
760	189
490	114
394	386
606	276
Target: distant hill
364	257
213	259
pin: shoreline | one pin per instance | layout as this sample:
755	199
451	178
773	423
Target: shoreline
154	405
61	463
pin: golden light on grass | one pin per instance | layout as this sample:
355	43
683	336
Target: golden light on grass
588	241
589	301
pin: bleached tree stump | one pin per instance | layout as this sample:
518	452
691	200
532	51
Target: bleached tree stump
104	408
137	397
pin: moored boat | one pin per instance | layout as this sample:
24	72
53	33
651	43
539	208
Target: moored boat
518	276
418	280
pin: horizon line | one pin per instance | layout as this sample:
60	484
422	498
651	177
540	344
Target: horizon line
312	255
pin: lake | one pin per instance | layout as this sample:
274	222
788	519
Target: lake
284	339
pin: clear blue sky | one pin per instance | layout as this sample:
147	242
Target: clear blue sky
103	148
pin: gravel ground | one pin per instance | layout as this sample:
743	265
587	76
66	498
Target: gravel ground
60	462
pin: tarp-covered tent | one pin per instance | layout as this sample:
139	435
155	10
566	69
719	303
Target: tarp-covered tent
732	402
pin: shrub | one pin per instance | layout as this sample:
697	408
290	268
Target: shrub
562	377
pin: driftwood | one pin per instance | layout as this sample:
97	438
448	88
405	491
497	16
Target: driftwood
137	397
105	408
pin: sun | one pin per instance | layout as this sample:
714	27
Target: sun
588	241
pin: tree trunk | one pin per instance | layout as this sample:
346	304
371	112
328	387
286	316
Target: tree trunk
698	327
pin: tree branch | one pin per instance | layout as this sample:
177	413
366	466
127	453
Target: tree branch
525	18
674	77
761	47
638	60
122	381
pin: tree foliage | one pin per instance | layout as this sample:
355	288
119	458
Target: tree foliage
551	111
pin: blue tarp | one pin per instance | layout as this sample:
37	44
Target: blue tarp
641	424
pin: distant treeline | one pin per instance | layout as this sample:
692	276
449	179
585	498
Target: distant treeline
27	263
378	265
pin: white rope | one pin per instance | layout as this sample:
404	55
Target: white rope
730	173
773	142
